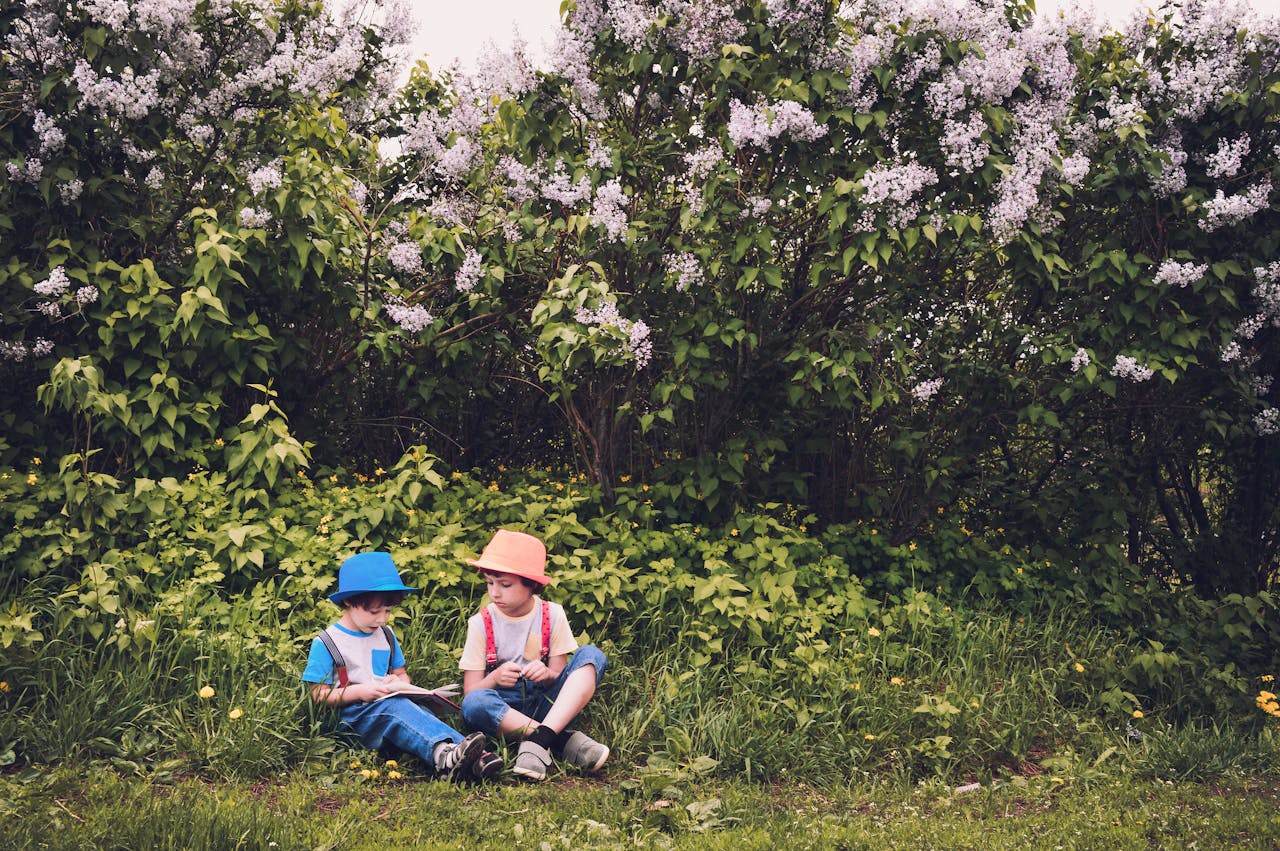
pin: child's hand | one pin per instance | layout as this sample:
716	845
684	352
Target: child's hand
507	674
536	672
370	692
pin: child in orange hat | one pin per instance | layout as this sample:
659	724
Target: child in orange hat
523	673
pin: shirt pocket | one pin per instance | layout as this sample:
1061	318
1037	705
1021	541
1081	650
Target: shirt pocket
380	661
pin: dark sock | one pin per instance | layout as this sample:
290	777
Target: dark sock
562	739
544	736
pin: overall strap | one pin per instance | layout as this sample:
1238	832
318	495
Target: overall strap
490	648
390	635
339	664
546	632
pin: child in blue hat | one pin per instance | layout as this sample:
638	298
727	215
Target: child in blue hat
357	661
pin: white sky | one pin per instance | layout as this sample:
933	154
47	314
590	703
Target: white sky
449	29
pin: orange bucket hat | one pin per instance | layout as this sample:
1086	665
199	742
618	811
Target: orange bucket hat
516	553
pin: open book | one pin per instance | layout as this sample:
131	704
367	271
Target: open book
435	699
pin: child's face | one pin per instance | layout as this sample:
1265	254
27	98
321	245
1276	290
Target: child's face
374	615
512	597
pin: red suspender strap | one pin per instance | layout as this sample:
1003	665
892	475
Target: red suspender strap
546	632
339	664
490	649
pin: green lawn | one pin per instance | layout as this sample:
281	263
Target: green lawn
306	810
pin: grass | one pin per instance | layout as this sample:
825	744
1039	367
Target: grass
63	809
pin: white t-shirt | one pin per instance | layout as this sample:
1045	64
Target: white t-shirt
516	640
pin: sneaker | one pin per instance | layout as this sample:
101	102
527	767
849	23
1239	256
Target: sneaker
487	766
532	761
584	752
455	761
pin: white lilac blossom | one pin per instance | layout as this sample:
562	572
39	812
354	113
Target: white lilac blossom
1173	176
254	217
267	177
155	178
405	257
700	165
1267	422
470	272
523	180
631	21
962	143
559	187
1261	384
457	210
760	124
1075	168
1225	162
1128	367
458	159
637	344
55	285
686	270
86	295
51	309
1079	360
1174	274
892	188
410	318
926	390
1227	210
599	155
702	27
759	206
609	211
50	137
70	191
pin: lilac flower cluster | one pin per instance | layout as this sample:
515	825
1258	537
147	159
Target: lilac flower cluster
264	178
760	124
702	27
1227	210
1173	177
926	390
892	188
411	318
609	210
1079	360
1129	368
686	270
406	257
1175	274
1226	160
255	217
470	272
637	342
632	21
1267	422
700	165
55	285
18	351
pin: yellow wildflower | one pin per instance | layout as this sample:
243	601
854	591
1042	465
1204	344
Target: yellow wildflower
870	737
1266	678
36	461
4	685
873	632
857	686
1137	713
1079	668
206	692
895	681
379	471
32	479
355	763
394	775
733	532
235	713
391	763
912	546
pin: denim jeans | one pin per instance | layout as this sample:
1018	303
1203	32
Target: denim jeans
399	722
484	708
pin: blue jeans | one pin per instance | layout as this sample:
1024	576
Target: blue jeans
484	708
399	722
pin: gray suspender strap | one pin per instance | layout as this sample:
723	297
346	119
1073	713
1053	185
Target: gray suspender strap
340	664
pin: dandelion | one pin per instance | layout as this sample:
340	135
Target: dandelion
355	764
235	714
391	763
1137	713
206	692
857	686
873	632
394	775
1266	678
895	681
870	737
32	479
1058	780
912	546
4	685
1079	668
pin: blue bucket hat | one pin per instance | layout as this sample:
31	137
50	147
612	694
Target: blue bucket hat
367	572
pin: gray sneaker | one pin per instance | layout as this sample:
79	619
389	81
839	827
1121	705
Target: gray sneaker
455	760
532	761
583	751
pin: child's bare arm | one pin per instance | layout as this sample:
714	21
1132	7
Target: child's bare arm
339	696
504	676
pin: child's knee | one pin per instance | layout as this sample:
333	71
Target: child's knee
589	654
482	709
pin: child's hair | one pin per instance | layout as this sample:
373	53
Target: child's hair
368	599
528	583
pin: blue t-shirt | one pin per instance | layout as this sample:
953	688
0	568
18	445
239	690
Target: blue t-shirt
367	654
